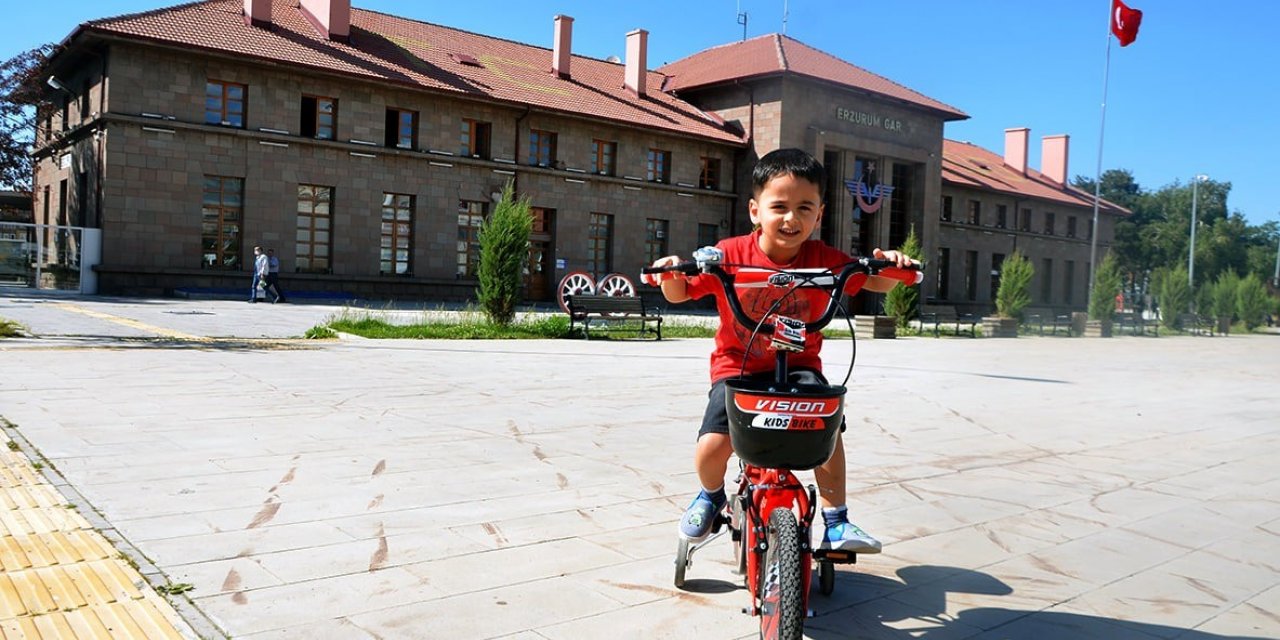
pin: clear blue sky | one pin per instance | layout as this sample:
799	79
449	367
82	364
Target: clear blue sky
1199	92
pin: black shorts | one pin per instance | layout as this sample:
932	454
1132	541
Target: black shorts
716	417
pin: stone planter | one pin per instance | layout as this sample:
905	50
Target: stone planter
1097	329
872	327
1224	325
996	327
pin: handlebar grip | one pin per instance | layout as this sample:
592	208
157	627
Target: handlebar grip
907	276
686	267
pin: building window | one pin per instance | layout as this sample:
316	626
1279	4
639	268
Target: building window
401	129
1089	234
708	235
600	245
975	212
470	218
221	213
1068	282
224	103
659	169
475	139
655	240
1071	226
997	265
1002	216
319	117
946	208
1025	223
315	222
1046	281
971	275
1048	223
709	176
944	273
542	148
397	234
605	157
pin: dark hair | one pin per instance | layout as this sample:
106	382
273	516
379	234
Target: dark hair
781	162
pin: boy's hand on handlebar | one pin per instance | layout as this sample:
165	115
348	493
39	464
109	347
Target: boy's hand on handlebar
656	279
899	258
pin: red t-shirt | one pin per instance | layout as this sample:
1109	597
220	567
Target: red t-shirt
806	304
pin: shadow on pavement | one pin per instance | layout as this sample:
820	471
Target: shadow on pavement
915	608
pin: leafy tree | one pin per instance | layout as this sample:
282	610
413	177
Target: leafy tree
1107	283
1014	293
1252	301
903	302
20	93
504	250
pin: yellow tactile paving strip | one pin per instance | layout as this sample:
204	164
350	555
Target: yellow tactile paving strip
62	579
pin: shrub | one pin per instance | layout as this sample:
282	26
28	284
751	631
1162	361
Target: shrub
903	302
1252	301
1106	286
504	250
1222	294
1174	295
1014	293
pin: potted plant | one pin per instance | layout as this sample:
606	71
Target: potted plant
1012	297
901	304
1102	303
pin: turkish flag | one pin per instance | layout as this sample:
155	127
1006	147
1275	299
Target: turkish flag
1124	22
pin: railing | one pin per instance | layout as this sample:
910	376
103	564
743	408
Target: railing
52	257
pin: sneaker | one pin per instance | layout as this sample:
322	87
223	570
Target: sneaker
846	536
698	519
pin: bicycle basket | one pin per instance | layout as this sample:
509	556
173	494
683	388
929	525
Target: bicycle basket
792	426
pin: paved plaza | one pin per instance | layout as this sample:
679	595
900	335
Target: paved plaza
1037	488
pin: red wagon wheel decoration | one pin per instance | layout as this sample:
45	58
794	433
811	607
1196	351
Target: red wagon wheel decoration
617	285
572	284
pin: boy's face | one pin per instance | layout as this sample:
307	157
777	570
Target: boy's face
788	209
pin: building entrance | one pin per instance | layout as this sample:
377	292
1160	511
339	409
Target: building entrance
537	279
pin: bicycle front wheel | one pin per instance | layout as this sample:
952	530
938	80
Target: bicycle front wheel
781	600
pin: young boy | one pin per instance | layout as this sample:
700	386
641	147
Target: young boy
786	208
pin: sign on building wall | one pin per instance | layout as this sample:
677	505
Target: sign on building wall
869	195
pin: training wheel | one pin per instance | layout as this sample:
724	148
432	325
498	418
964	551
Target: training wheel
682	560
826	577
572	284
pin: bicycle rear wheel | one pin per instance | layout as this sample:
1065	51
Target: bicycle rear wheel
781	600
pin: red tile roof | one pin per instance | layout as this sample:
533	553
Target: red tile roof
418	54
968	165
775	54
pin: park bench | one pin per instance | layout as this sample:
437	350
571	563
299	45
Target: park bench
616	313
947	316
1197	325
1135	324
1055	322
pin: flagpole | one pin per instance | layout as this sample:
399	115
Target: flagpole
1097	174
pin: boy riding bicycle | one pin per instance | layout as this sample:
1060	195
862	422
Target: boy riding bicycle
786	208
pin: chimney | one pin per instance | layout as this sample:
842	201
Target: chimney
258	13
332	18
563	47
1053	158
637	52
1015	149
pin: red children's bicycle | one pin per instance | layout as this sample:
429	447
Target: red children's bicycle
778	427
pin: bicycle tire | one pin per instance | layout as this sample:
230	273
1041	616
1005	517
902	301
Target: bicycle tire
781	580
738	520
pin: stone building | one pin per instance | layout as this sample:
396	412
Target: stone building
366	148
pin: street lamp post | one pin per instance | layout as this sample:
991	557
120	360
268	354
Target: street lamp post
1191	255
1275	279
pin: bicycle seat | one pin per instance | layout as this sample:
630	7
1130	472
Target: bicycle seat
792	426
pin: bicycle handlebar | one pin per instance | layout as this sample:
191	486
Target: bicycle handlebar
824	279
